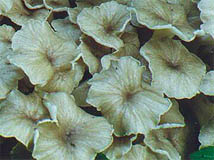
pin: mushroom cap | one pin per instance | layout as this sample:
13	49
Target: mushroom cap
41	52
131	44
74	12
75	135
80	94
170	142
202	108
206	136
176	71
19	114
130	104
105	29
9	73
20	15
91	53
206	7
173	116
119	147
164	14
207	84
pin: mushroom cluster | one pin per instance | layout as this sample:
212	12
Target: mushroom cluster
126	79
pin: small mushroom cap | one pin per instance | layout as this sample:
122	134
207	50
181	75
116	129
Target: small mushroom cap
173	116
20	15
206	136
35	67
7	33
75	135
131	44
193	16
74	12
19	114
41	52
167	141
105	29
80	94
119	147
176	71
206	7
91	53
202	108
207	84
131	105
163	14
9	73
